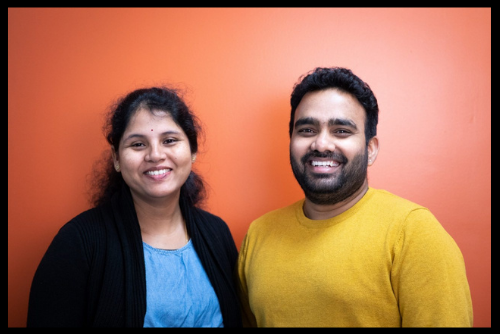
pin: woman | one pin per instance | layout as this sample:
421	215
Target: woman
145	255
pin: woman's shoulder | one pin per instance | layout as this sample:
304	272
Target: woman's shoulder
205	215
210	220
89	222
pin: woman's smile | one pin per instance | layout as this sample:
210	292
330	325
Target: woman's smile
158	174
154	164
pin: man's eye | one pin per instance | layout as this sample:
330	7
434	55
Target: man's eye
342	132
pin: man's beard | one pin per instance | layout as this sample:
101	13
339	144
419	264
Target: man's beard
326	189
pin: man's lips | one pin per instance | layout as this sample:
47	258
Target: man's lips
321	163
317	159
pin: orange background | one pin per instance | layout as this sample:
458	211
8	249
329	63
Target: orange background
430	69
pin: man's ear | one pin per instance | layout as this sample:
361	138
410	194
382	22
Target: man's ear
373	148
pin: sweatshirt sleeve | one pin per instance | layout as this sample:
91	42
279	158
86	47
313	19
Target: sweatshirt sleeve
247	315
57	297
428	275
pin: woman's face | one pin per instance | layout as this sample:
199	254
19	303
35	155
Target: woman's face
154	156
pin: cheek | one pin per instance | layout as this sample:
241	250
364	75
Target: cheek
129	161
352	149
181	158
299	147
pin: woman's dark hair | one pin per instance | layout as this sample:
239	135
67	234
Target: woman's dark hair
343	79
105	180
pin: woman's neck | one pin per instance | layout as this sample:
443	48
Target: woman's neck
162	224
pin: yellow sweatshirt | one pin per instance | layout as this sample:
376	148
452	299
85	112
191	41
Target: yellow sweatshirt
385	262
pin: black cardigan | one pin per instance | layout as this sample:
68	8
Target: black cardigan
93	272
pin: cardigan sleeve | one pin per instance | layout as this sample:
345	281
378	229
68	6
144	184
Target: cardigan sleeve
57	297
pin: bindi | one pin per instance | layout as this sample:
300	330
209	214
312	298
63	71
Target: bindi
151	129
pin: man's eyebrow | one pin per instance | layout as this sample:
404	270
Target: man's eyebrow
306	121
342	121
331	122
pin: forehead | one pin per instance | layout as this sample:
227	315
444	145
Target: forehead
150	119
328	104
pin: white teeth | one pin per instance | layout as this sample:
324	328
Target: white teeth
324	163
157	172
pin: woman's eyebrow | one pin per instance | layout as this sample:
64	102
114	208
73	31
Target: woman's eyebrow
133	135
139	135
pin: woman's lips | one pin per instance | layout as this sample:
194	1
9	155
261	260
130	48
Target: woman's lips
158	173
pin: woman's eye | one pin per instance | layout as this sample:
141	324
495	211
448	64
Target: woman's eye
170	141
137	144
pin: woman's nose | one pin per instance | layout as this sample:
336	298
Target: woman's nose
155	153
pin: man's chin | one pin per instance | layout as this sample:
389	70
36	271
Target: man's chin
322	182
320	189
322	176
320	198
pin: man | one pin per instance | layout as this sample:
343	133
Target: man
347	255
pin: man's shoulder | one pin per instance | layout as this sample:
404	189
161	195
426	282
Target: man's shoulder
384	197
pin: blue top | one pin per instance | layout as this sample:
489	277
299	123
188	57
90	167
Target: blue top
178	291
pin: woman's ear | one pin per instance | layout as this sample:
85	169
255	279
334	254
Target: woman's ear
116	162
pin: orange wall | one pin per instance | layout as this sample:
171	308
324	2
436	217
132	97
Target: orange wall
429	68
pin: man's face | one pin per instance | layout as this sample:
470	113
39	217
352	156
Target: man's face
328	150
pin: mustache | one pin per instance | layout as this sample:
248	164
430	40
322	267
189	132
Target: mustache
328	155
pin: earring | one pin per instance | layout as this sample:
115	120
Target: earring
193	158
117	166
